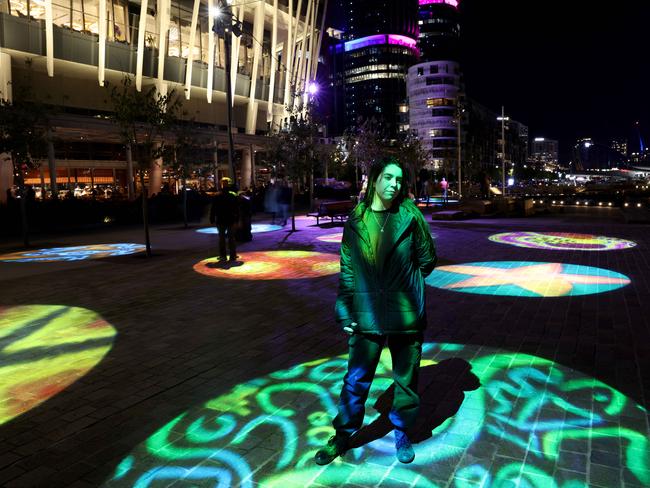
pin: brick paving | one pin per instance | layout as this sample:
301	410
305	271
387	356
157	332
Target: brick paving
556	392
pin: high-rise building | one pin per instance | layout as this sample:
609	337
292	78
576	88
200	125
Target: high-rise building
619	145
370	64
590	155
434	85
439	23
544	154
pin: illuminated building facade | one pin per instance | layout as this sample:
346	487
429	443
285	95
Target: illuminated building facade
434	85
370	64
75	48
544	154
590	155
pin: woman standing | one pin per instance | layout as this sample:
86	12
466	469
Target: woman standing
386	253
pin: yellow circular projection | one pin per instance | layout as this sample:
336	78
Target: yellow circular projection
43	350
272	265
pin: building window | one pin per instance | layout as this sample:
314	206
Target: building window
433	69
420	71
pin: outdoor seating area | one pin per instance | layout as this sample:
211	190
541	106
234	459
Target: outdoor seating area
336	210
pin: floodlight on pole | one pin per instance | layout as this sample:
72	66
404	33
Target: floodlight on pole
312	88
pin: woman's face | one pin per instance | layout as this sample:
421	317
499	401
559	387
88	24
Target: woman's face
389	183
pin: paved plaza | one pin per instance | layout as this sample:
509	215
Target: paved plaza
173	371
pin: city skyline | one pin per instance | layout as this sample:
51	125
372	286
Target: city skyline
572	72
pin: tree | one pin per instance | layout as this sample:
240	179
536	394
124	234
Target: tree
364	144
22	134
294	149
181	156
142	117
411	152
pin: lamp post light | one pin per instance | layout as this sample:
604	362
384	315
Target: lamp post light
503	120
227	25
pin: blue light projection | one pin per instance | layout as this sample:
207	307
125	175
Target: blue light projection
255	229
488	418
72	253
526	279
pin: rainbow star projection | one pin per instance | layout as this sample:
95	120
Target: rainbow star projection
526	279
338	237
538	416
72	253
273	265
44	349
255	229
562	241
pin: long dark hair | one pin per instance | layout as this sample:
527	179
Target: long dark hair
375	171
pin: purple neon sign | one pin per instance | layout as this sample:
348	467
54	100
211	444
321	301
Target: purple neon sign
453	3
380	39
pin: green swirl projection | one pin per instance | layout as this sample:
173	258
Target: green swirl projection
511	420
44	349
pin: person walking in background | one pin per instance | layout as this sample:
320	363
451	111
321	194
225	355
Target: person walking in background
284	202
386	252
225	215
444	185
271	201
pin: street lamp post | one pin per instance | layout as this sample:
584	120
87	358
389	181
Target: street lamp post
503	120
226	25
459	115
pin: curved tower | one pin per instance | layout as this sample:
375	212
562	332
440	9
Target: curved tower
434	85
380	43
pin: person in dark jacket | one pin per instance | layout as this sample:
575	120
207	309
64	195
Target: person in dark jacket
386	252
225	214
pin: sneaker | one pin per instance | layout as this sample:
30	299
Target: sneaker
336	446
403	448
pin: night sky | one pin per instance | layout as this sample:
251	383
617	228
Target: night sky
565	68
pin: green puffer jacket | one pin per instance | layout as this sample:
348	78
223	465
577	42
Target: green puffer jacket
393	302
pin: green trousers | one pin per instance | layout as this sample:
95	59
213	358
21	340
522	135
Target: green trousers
364	353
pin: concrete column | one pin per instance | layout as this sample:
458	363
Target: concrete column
155	176
246	167
258	31
129	173
6	175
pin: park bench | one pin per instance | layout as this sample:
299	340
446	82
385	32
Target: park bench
334	210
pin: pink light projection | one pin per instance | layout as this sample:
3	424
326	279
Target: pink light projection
453	3
380	39
562	241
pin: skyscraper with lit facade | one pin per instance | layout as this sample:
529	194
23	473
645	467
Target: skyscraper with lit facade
434	85
371	62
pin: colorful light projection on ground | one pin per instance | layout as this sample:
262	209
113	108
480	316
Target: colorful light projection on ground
73	253
255	229
273	265
511	420
338	237
526	279
44	349
562	241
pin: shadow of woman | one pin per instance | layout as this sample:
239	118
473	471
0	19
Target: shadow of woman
441	388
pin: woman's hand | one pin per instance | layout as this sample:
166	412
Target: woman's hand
349	329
